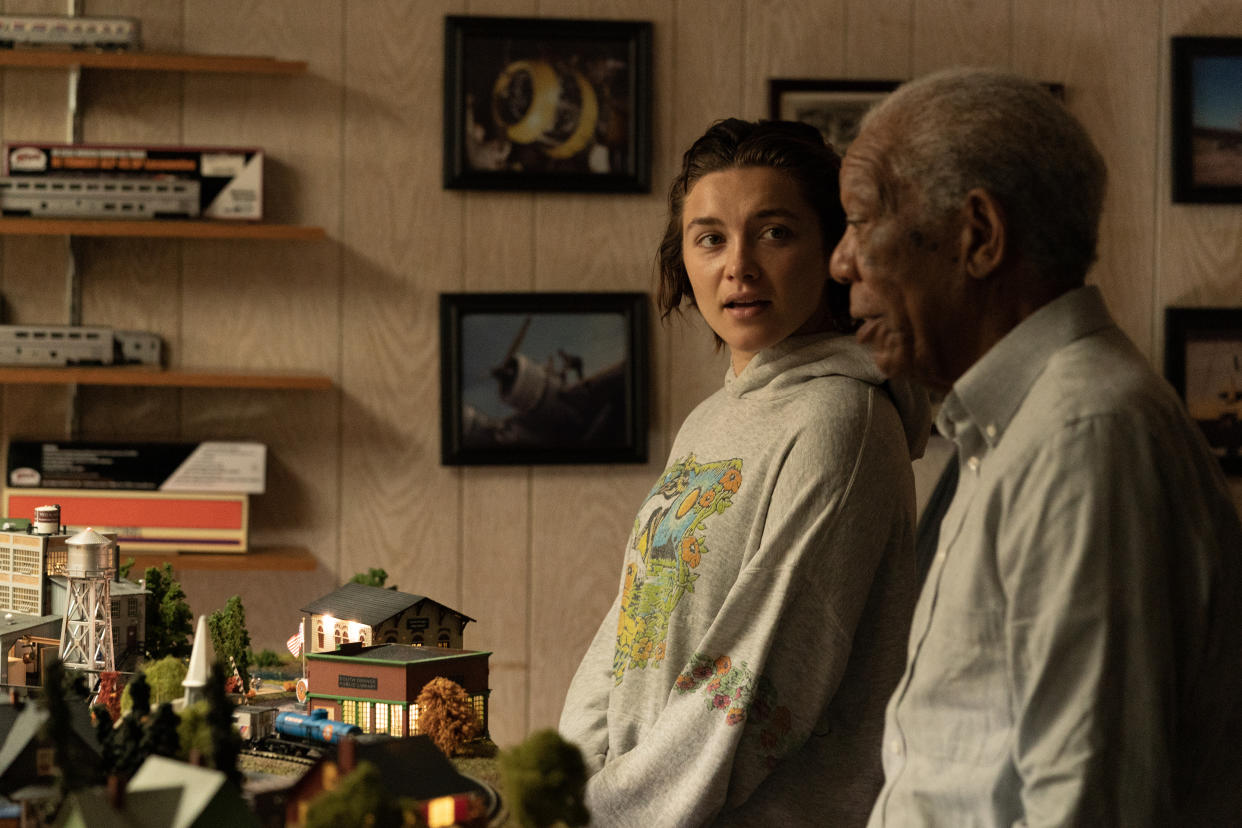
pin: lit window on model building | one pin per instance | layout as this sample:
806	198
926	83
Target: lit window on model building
443	640
417	641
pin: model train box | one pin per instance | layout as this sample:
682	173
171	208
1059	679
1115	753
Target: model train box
211	466
229	179
146	521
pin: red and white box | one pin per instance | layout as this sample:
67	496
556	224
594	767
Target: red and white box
230	179
146	521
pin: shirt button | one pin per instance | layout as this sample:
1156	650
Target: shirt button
940	556
895	746
973	463
990	430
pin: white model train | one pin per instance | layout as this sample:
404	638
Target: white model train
59	31
64	345
77	196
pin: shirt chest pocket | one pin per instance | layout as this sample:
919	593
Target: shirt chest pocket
957	705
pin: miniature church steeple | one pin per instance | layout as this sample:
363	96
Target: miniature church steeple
201	656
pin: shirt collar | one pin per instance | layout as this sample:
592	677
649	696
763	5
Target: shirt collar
989	393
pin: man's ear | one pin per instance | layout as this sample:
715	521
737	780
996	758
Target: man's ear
983	234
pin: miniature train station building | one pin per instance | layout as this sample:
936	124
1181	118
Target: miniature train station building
375	615
376	687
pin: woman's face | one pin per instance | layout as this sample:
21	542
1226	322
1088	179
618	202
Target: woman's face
756	258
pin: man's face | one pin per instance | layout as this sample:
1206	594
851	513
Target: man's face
905	277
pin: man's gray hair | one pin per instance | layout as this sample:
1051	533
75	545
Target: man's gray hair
952	131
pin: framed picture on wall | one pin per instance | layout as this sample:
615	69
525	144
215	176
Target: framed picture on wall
1207	119
547	104
529	378
835	107
1203	361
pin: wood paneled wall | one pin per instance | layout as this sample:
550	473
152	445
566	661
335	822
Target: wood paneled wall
354	146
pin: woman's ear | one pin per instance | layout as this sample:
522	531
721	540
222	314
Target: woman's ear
983	234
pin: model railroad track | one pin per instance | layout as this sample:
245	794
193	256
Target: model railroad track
270	761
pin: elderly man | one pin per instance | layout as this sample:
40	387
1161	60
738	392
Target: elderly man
1075	654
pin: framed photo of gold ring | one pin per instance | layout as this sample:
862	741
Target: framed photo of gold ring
547	104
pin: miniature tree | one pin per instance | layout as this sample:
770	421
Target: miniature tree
127	745
360	801
163	684
374	576
125	740
164	677
60	690
104	735
122	571
168	616
139	696
446	715
193	734
160	737
544	780
231	639
267	658
225	740
108	693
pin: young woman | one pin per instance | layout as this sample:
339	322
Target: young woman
741	674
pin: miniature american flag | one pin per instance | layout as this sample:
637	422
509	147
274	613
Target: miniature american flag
295	643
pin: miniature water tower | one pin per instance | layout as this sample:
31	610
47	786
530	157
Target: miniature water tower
86	637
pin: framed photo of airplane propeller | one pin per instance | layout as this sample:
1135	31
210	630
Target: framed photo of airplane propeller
1203	361
539	378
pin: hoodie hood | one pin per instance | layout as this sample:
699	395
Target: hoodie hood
779	370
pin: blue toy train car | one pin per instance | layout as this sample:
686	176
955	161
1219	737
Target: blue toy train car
316	727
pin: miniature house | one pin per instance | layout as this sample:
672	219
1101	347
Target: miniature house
28	771
34	594
374	615
376	687
412	769
163	792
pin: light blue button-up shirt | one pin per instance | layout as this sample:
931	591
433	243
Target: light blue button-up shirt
1074	655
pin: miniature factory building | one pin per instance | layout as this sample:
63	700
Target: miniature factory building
34	595
374	615
376	687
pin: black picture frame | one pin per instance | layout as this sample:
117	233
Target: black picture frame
836	106
1207	131
1203	361
538	378
547	104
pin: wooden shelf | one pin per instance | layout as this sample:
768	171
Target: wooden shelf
159	228
141	375
263	558
149	61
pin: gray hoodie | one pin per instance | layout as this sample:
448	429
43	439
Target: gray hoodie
741	675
